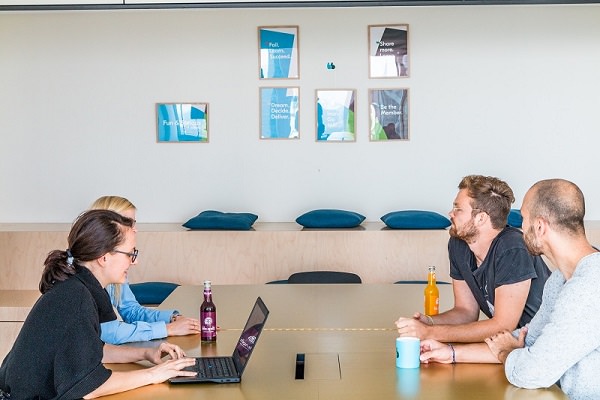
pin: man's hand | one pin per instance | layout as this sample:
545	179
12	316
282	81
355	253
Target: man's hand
434	351
502	343
417	326
424	318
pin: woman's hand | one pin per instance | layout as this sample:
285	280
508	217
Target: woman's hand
155	354
172	368
183	326
120	381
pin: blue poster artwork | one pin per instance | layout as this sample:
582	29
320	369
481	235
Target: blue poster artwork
279	113
278	52
335	115
182	122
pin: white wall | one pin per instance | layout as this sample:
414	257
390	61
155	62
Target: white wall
511	91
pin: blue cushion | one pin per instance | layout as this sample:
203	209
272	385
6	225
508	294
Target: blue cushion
415	219
514	218
330	218
219	220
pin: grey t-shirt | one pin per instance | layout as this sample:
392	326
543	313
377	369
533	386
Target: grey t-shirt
507	262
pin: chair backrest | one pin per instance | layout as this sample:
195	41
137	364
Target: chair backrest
277	282
423	282
324	277
150	293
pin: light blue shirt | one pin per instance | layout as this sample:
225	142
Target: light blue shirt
563	343
139	323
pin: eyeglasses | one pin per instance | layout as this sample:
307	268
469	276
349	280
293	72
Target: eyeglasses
456	210
132	255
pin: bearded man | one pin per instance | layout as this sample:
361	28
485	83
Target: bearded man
491	270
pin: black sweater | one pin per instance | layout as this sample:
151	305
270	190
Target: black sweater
58	353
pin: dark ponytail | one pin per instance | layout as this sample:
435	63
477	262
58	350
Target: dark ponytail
94	233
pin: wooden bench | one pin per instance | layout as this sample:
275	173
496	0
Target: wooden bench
271	251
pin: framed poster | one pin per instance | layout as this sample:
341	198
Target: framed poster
335	115
279	113
278	55
388	114
182	122
388	51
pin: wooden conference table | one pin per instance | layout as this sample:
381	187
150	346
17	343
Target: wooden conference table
347	333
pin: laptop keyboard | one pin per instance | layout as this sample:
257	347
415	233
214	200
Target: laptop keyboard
213	367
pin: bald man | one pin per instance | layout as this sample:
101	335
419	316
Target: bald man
562	343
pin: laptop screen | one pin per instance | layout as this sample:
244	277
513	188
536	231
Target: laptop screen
249	337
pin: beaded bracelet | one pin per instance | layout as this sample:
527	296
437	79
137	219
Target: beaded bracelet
453	353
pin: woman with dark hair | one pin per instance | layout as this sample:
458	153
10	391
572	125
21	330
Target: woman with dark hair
138	323
58	353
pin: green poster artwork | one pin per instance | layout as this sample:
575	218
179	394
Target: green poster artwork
335	115
388	114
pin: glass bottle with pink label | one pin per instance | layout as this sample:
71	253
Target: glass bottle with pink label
208	316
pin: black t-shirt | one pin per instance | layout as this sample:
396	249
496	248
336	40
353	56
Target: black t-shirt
506	262
58	353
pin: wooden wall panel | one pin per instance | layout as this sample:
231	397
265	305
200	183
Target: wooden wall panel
272	251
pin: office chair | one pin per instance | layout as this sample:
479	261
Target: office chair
324	277
151	293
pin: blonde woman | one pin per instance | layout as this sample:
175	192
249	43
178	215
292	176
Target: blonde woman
139	323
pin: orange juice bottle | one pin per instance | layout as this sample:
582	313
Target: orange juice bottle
432	294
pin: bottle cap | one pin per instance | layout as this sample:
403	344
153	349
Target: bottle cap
207	284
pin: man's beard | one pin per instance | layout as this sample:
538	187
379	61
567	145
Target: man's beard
468	233
531	242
